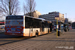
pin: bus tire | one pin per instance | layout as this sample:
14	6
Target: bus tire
48	30
36	33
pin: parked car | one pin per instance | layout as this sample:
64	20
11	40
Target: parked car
2	26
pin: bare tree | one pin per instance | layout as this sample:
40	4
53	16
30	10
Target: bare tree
29	6
24	8
9	7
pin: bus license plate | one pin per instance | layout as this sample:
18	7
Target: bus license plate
12	29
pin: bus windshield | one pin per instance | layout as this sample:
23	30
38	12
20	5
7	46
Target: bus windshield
14	20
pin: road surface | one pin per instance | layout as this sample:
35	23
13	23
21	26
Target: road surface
46	42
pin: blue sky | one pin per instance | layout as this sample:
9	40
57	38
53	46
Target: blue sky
62	6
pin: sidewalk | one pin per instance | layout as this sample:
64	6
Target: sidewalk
46	42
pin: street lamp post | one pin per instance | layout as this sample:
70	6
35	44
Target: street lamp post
66	15
57	28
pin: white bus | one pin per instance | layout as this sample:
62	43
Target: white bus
20	25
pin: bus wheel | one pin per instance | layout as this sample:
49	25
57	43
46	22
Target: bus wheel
36	33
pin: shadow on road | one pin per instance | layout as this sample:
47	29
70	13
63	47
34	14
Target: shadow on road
11	39
7	39
15	40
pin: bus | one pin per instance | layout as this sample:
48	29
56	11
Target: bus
21	25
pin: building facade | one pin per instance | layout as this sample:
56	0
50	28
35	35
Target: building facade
35	14
52	16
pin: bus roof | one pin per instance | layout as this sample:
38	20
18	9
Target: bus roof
15	15
34	17
31	17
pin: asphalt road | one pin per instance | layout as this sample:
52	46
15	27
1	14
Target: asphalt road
65	41
7	39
